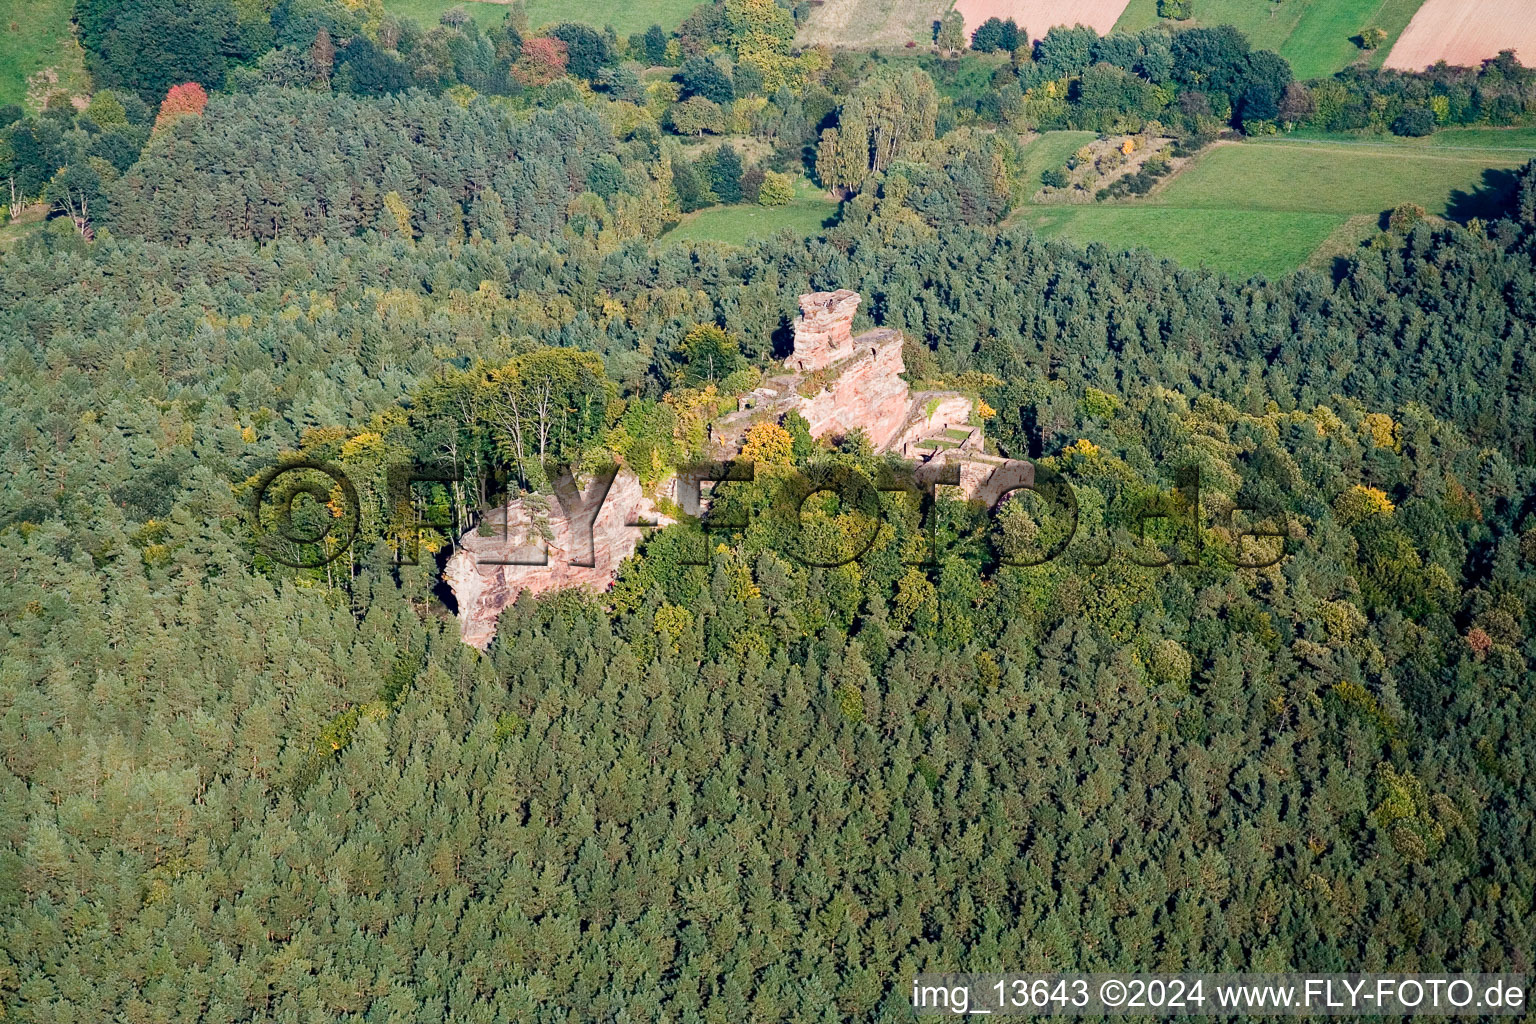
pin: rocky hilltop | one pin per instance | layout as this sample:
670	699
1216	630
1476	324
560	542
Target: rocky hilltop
838	381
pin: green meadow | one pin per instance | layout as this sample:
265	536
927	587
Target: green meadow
1316	36
35	35
735	224
1265	206
1243	243
626	19
427	12
1047	152
807	214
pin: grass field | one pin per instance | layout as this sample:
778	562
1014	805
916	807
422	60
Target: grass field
1224	240
13	231
1314	35
1046	152
1240	242
1519	139
34	35
1265	206
626	19
1345	239
426	12
805	215
1330	177
879	23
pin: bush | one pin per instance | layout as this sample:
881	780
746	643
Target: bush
1405	216
751	184
1371	38
1189	145
777	189
1179	10
1053	178
1415	122
1137	184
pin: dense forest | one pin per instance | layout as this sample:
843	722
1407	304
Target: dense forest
751	788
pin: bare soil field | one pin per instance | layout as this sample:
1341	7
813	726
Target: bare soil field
888	24
1039	16
1466	32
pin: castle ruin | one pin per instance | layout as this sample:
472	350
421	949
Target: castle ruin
838	381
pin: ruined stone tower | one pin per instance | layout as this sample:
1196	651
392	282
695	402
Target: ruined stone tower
823	330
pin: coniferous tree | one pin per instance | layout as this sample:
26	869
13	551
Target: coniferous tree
725	175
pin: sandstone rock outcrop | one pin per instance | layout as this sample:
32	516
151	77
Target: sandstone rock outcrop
868	393
539	543
823	331
841	383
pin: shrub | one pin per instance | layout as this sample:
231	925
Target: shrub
768	443
751	184
1371	38
777	189
1178	10
1415	122
1053	178
1404	217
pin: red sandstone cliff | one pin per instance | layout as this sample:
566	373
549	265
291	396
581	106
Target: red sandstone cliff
540	543
867	393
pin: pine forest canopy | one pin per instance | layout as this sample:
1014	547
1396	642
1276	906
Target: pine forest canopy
237	790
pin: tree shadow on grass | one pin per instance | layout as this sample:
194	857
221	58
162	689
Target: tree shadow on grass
1490	200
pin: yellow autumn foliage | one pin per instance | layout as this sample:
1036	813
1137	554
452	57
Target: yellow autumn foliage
1383	430
1360	503
768	444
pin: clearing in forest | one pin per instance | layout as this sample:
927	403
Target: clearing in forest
626	19
1039	16
427	12
38	53
1264	206
805	215
1466	32
1318	37
887	24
